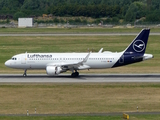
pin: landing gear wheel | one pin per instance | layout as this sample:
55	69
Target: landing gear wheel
25	73
76	74
73	75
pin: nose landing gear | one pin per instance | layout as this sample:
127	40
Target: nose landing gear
25	73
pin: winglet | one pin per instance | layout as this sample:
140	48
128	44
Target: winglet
100	51
86	58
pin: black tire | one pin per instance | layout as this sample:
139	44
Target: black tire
76	74
73	75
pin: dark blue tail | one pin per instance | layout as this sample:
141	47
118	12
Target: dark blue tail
138	45
135	51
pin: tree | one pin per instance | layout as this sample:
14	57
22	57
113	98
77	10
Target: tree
129	10
21	1
153	17
131	13
155	4
18	15
149	3
115	20
137	10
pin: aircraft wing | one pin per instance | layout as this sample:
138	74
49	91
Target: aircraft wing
77	65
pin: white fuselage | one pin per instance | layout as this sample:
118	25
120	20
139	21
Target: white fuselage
41	60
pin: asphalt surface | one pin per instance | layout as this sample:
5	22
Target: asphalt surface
87	114
83	78
74	34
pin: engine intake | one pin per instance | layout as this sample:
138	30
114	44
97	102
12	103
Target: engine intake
53	70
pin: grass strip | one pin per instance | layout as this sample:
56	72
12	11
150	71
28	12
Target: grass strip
79	98
132	117
73	30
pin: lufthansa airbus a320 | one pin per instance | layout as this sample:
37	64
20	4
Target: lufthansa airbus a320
56	63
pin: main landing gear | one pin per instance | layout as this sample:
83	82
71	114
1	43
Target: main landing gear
25	73
75	74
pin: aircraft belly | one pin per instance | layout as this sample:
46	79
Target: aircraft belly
101	64
36	65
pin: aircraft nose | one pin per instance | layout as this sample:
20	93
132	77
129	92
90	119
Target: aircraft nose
7	63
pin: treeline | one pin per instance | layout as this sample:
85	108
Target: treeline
95	11
127	10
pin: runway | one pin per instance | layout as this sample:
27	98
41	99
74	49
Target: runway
83	78
86	114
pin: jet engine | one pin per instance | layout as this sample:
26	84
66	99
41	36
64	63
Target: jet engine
53	70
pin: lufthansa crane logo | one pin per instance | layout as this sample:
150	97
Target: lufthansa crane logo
138	46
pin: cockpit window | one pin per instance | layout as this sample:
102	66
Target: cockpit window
14	58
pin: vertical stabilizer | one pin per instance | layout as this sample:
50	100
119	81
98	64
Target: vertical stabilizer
138	45
135	51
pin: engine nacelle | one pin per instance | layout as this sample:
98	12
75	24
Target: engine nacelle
53	70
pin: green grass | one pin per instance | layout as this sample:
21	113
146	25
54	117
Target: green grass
79	98
145	117
116	117
64	118
73	30
119	96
